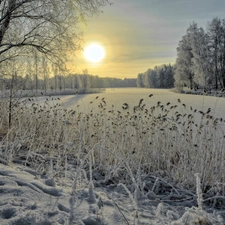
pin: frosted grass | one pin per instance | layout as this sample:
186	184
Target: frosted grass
152	145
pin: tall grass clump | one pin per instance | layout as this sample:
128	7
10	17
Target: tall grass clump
149	149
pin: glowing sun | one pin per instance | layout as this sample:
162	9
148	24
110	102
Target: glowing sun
94	53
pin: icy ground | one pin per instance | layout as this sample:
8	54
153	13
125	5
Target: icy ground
30	198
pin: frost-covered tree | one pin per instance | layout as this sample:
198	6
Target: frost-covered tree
169	76
215	33
184	74
222	57
45	25
140	80
201	56
165	76
150	78
153	78
147	82
159	77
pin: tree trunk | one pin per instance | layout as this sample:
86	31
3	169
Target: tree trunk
224	82
191	82
10	102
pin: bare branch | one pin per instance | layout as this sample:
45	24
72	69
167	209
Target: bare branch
45	25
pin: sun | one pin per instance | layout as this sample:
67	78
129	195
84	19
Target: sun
94	53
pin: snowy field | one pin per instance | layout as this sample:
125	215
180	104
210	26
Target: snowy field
118	96
127	156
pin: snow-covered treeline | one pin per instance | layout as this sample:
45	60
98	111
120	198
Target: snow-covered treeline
159	77
201	56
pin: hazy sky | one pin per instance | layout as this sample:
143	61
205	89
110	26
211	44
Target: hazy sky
140	34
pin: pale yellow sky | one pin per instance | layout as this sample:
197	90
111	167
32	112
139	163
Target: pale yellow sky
129	48
138	35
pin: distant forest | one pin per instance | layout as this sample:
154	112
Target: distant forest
80	82
159	77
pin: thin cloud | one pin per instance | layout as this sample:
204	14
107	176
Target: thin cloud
141	34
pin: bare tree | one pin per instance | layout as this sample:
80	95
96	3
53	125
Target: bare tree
44	27
49	26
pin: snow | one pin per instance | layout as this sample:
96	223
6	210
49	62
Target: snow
27	199
32	197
